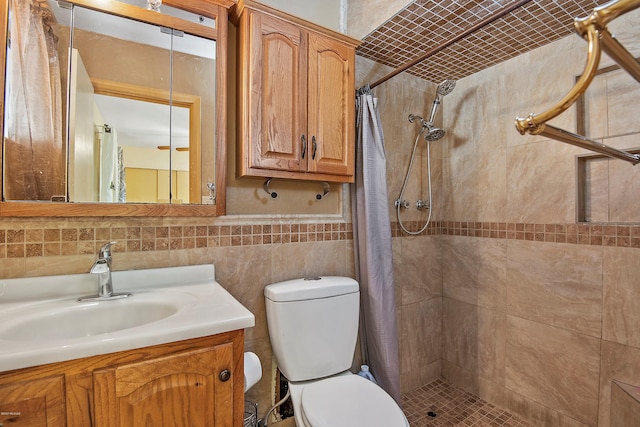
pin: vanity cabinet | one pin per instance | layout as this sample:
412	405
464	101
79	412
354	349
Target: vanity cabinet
33	403
296	111
197	382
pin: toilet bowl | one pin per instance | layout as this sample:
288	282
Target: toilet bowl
344	401
313	326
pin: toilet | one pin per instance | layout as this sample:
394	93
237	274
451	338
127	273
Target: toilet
313	327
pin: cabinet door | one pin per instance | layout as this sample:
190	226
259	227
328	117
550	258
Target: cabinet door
331	106
277	97
34	403
185	389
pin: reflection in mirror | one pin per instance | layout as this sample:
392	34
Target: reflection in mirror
34	166
138	94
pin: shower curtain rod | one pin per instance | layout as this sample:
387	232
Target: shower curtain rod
593	28
482	23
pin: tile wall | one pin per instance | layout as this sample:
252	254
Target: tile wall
248	255
540	314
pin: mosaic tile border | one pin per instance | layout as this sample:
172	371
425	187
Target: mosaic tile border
619	235
581	234
37	242
52	241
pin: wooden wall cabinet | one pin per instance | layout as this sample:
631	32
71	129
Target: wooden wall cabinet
196	382
296	97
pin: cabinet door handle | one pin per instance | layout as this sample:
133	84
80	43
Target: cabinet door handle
315	147
304	145
225	375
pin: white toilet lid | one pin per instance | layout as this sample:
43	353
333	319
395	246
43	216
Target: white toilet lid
349	401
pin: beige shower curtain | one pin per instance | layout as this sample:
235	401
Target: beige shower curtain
34	150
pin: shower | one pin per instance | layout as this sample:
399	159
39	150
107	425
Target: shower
431	134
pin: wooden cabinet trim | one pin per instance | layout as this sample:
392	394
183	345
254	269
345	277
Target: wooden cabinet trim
79	389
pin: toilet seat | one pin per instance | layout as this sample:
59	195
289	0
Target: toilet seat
348	401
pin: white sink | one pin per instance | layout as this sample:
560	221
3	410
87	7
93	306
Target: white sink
42	321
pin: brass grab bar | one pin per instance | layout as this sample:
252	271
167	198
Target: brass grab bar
593	29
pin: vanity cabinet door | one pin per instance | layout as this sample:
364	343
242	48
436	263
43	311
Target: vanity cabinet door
33	403
185	389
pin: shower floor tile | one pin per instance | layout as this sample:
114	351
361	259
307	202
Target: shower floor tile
453	407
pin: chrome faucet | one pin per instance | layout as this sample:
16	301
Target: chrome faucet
102	268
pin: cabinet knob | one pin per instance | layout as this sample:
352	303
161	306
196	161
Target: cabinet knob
225	375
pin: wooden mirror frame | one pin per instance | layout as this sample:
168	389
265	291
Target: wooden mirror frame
214	9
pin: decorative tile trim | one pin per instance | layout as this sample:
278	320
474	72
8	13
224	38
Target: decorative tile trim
37	242
619	235
52	241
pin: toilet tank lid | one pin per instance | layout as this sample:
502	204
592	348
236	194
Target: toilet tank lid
310	288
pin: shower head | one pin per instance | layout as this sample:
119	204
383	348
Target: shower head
446	87
434	134
443	89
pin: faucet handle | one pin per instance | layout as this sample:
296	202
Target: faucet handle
105	250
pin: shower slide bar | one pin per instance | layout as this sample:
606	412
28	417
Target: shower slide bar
594	29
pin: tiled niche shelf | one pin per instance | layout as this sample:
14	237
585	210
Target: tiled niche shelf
606	189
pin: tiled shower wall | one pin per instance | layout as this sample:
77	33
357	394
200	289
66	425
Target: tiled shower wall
541	325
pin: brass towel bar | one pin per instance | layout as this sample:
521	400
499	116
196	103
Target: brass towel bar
593	28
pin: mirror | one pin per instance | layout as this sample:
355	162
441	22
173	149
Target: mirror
142	122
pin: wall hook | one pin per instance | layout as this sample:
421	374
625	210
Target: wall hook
266	188
325	190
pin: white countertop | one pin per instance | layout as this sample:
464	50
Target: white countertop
203	307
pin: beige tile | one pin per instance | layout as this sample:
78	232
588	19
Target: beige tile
417	268
621	306
475	186
540	183
554	367
536	413
556	284
625	405
474	271
290	261
624	180
420	376
623	94
420	336
621	363
13	268
59	265
596	191
474	339
595	101
244	271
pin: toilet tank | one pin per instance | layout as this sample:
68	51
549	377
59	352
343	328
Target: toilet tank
313	325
